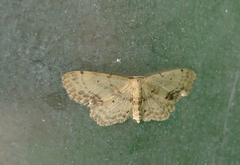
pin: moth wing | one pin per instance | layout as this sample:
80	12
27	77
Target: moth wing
115	109
154	107
91	88
171	85
161	91
108	96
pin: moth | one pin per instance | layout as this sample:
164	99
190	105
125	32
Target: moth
113	99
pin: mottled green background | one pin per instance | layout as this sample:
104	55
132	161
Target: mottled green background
41	40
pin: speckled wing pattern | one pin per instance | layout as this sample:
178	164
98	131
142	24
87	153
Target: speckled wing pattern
111	97
108	96
161	91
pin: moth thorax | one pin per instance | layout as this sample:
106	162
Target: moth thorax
136	98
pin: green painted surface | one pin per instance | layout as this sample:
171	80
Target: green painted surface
42	40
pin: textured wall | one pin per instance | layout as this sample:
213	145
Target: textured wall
41	40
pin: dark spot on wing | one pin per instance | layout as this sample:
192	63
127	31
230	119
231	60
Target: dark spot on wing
182	70
97	96
131	77
170	78
169	96
153	90
173	95
81	72
113	101
144	98
110	75
119	92
97	81
161	74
